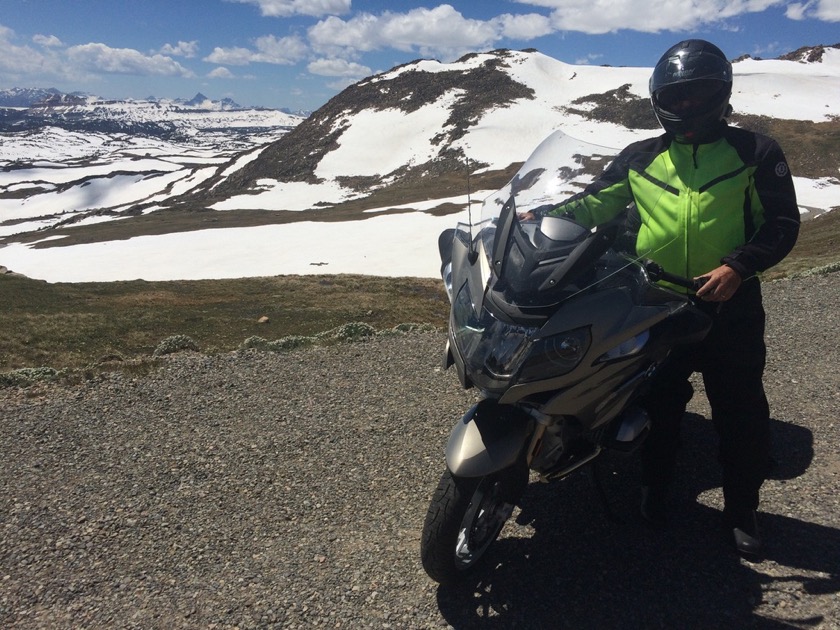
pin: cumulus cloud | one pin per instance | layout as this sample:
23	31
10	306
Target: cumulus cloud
78	63
826	10
267	49
220	73
340	84
288	8
102	58
441	30
652	16
181	49
280	50
48	41
16	60
230	56
338	68
524	27
588	59
445	32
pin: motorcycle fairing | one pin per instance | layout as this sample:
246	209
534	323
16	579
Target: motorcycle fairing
489	438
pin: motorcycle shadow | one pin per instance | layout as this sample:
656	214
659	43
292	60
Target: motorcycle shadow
569	561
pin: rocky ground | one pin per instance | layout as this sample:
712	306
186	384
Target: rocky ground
261	490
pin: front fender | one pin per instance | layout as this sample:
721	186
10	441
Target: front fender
489	438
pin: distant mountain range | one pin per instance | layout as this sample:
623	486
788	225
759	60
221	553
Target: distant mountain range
26	109
34	97
26	97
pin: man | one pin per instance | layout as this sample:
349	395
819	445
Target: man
718	203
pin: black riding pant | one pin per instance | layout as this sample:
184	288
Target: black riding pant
731	360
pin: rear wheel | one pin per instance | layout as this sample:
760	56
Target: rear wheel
465	517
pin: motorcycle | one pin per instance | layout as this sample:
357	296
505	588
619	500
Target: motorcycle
560	327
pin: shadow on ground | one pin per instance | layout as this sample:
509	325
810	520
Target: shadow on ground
572	562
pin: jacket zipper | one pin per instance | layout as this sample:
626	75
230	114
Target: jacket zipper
691	208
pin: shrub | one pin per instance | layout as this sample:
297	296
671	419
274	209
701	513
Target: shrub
350	332
290	343
353	331
27	376
409	328
254	343
819	271
175	343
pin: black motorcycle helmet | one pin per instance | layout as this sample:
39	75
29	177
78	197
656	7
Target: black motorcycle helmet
690	89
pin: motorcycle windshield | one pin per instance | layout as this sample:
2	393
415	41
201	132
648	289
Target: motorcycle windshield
534	256
526	261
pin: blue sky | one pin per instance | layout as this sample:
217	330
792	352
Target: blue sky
300	53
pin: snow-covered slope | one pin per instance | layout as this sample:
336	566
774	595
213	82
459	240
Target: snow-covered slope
394	133
81	159
414	122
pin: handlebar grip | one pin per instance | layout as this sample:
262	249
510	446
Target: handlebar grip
656	272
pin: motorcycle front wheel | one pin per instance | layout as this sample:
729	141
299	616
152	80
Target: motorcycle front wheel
465	517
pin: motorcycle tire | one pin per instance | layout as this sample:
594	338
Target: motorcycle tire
465	516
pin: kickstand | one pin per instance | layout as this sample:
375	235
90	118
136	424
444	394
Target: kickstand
602	494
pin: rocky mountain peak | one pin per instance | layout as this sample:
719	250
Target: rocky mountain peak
809	54
477	87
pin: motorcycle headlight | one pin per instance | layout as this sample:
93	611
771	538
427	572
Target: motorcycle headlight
492	349
556	355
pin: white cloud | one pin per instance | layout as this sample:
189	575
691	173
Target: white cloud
827	10
102	58
220	73
340	84
524	27
268	49
78	63
230	56
651	16
442	30
181	49
49	41
283	50
288	8
17	61
338	68
588	59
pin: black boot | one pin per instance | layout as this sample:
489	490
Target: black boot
742	529
653	507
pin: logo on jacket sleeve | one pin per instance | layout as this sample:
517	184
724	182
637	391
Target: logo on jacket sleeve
781	169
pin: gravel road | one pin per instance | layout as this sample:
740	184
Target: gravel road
260	490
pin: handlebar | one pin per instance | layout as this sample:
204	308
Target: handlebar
656	273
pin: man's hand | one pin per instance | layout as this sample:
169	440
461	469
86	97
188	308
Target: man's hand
721	284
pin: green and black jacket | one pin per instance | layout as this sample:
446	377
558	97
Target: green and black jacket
730	201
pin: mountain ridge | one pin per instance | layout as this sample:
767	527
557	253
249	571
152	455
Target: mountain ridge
478	86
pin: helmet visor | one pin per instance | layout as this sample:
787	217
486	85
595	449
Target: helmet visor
691	97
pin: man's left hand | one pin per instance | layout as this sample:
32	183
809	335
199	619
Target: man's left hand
721	284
